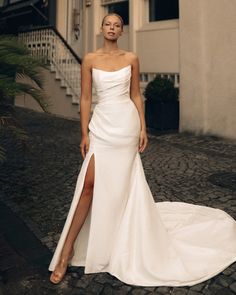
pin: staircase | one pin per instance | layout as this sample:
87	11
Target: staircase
63	64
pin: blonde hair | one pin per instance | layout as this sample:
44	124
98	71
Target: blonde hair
113	13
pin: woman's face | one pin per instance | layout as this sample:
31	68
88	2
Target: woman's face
112	27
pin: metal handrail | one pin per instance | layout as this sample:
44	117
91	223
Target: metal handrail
47	43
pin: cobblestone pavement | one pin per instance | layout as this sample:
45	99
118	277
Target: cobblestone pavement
38	183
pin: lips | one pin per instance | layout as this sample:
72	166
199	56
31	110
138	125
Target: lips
111	33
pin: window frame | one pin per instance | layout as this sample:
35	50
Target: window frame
159	20
155	25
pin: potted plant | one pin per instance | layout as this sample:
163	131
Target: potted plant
161	104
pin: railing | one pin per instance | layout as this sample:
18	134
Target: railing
145	78
47	43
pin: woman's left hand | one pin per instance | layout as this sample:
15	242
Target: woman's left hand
143	140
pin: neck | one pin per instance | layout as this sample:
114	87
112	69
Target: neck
110	46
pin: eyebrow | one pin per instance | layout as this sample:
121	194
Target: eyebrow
114	22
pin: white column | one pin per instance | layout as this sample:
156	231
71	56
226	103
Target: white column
207	67
135	21
192	66
62	17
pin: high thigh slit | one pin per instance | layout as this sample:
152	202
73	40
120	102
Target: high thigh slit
82	239
125	232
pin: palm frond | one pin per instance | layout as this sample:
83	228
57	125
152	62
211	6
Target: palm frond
2	154
38	95
19	74
15	60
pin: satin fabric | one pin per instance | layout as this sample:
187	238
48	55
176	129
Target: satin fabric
126	233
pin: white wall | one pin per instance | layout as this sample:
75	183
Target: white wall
207	67
60	103
158	49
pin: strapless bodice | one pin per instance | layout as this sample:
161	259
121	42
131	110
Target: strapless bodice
115	118
112	87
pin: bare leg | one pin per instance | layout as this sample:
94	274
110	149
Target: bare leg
80	215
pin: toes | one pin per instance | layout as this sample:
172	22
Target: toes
55	277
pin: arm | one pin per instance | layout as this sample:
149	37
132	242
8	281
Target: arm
85	102
138	101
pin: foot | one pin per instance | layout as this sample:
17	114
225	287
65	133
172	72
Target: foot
60	270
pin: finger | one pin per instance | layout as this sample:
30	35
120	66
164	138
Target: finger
143	146
141	149
82	152
145	142
87	147
141	142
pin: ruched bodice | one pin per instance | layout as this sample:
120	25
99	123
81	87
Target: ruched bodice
112	87
115	119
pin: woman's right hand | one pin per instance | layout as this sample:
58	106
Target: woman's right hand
84	145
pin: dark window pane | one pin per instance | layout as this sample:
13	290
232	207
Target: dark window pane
121	8
163	10
14	1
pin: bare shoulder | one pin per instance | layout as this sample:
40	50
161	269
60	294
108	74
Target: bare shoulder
132	57
88	59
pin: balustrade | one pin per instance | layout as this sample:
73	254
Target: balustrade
48	44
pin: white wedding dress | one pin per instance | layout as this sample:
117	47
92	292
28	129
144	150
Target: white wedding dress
126	233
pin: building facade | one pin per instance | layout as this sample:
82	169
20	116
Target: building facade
192	42
195	39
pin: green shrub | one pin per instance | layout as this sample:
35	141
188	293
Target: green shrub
161	89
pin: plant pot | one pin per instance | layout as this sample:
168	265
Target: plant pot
162	115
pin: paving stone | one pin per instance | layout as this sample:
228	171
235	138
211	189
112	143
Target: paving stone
224	291
179	291
94	288
84	282
233	287
224	280
191	292
215	288
198	287
233	276
164	290
149	289
139	291
108	290
121	290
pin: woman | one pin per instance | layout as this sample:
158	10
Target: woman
113	224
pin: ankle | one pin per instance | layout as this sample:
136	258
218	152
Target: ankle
66	254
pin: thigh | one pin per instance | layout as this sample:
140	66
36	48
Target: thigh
89	177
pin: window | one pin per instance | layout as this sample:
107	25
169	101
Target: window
119	7
13	1
163	10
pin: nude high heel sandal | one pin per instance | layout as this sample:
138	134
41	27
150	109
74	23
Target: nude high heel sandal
57	276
